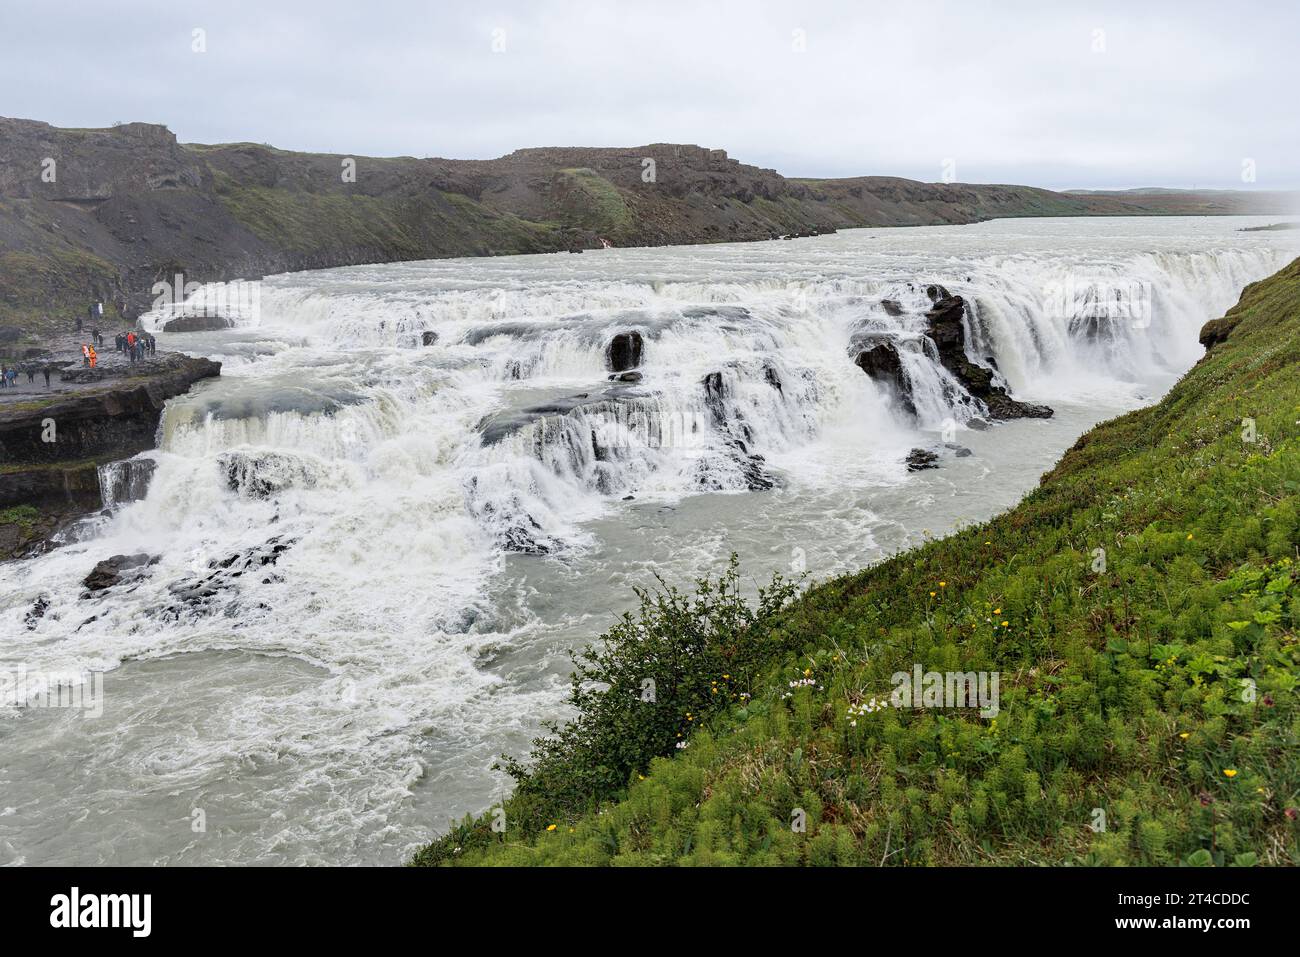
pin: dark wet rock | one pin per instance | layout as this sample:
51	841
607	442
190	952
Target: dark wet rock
624	351
1216	331
772	377
111	571
947	330
263	474
36	612
521	540
752	466
936	292
739	314
265	554
428	338
978	424
497	427
123	482
515	529
884	365
522	331
920	459
197	324
736	433
625	377
891	307
958	450
754	469
715	395
193	596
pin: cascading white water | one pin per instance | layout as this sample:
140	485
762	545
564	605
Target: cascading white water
127	481
372	555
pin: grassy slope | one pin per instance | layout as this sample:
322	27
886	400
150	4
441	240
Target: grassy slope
48	291
397	228
1121	690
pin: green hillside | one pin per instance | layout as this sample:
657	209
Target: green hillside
1147	710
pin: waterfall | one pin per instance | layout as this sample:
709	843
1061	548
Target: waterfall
727	375
369	550
127	481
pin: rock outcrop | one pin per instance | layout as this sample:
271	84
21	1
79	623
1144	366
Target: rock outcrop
52	448
945	323
115	420
624	351
918	460
112	571
197	324
1217	330
883	364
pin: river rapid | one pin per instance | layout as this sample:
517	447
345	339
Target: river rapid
371	555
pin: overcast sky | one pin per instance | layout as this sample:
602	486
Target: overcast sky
1046	93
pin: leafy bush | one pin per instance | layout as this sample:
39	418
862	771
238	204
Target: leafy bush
638	693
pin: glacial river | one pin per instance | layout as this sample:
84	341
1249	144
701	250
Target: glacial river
370	556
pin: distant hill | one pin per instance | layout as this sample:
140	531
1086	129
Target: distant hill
1199	202
101	214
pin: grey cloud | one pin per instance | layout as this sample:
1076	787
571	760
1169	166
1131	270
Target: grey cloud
1012	92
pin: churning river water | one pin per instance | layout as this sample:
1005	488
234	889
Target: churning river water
371	555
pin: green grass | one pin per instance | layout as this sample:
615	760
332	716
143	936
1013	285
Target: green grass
22	515
395	228
46	292
1148	710
593	202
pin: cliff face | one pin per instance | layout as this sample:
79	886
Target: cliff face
51	449
103	214
116	422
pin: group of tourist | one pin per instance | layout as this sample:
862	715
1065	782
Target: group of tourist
9	376
136	346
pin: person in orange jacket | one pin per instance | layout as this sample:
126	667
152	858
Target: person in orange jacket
93	356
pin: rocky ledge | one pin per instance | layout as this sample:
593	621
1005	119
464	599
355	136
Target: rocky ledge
878	356
51	446
947	330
